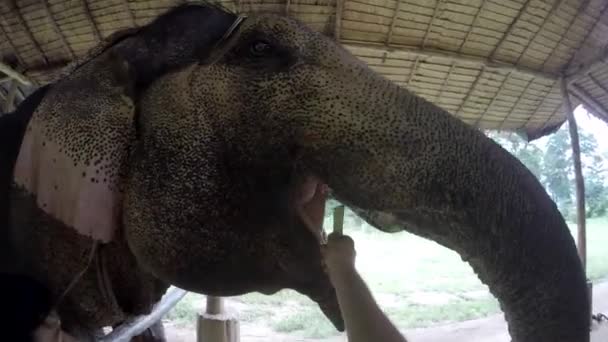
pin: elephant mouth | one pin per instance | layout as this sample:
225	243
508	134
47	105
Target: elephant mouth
311	197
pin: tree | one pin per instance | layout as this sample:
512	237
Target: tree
529	154
559	168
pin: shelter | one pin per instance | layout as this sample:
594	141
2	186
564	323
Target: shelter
515	65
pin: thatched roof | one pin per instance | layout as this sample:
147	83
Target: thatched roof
496	64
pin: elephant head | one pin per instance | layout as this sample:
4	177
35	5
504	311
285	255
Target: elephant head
280	100
75	145
218	171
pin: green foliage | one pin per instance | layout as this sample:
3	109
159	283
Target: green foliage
553	167
529	154
184	313
558	168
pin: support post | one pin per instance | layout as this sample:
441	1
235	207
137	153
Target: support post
580	185
215	325
578	175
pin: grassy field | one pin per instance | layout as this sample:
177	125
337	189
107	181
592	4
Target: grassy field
416	281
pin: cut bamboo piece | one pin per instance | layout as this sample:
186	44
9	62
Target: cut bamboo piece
339	219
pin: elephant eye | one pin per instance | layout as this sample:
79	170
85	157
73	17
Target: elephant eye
260	48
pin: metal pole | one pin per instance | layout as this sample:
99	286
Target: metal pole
126	331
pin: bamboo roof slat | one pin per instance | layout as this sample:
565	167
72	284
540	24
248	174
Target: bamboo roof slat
493	63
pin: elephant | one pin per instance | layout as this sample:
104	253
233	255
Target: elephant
205	174
50	143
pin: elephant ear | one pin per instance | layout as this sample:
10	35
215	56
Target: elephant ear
73	155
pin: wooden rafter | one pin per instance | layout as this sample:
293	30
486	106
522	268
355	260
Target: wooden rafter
287	5
507	33
555	6
588	107
432	22
458	58
588	100
28	32
550	117
598	84
540	104
471	90
446	80
583	69
130	13
500	88
57	29
470	29
588	68
581	9
516	103
9	40
413	71
338	24
89	16
389	35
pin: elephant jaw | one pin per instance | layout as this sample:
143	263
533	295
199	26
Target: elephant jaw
310	202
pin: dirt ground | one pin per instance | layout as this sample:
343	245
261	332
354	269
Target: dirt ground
490	329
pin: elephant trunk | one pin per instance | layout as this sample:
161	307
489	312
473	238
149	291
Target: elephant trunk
405	164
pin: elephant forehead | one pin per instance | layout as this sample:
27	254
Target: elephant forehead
73	153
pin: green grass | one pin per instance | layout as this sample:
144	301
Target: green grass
184	313
597	248
407	275
309	322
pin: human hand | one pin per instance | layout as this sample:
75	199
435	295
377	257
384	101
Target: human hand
338	254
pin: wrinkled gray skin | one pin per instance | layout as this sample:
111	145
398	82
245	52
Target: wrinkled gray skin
300	101
257	242
403	162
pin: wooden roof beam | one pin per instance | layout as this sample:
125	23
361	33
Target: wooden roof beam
584	69
598	84
389	35
554	8
470	91
588	101
287	5
588	68
432	22
338	24
516	103
455	57
470	30
13	74
507	33
500	88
